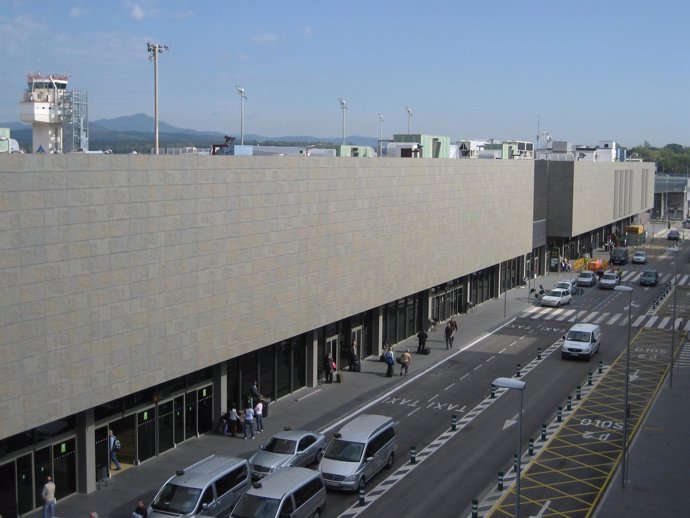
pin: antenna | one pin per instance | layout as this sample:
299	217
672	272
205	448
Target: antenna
409	119
343	107
154	49
243	96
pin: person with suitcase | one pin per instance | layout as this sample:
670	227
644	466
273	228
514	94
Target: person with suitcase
422	336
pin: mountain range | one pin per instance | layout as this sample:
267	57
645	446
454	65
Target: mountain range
135	133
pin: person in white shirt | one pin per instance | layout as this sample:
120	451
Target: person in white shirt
49	500
248	422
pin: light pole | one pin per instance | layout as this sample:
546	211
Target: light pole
343	107
155	49
380	134
511	383
626	411
409	119
243	96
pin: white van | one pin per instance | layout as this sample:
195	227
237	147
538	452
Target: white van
295	492
359	451
211	487
581	341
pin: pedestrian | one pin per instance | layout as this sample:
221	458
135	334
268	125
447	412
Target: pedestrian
454	327
405	362
328	368
140	511
259	416
422	336
48	495
254	394
233	420
354	357
113	447
448	333
389	358
248	422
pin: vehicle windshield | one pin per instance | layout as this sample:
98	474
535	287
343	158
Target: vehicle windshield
563	284
639	254
344	450
276	445
578	336
648	274
610	276
177	499
586	274
253	506
556	293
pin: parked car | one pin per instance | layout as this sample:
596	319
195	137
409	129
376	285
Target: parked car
587	278
619	256
649	278
609	281
557	297
673	235
286	449
639	257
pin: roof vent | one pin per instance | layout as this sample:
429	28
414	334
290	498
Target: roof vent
179	472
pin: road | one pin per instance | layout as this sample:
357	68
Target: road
461	466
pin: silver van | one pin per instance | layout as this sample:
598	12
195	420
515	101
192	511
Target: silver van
211	487
581	341
295	492
359	451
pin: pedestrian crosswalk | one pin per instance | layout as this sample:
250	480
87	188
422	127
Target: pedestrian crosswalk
573	314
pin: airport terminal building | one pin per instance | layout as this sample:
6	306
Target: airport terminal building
143	294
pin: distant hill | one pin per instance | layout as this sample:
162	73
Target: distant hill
135	133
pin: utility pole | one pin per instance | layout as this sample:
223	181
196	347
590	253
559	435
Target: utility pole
155	49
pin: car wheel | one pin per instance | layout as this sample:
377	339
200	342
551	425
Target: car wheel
391	460
563	355
318	456
569	301
558	303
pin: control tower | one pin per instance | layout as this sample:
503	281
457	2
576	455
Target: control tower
43	106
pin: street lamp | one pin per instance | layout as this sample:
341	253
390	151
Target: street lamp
155	49
626	411
409	119
512	383
243	96
343	107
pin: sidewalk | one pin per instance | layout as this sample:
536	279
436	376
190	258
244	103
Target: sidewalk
320	407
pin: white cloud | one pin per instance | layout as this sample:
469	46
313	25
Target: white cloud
306	32
76	12
264	37
137	12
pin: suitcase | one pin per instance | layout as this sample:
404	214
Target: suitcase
426	350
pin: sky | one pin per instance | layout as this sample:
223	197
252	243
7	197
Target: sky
581	71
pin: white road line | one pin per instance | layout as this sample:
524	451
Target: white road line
638	320
478	367
613	319
449	386
432	398
663	323
464	376
601	318
490	358
651	321
503	350
408	415
589	317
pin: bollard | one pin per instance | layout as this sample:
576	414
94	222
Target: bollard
517	371
499	486
493	391
531	447
578	393
569	404
589	379
413	455
601	366
475	508
515	461
538	353
559	414
454	422
543	432
361	492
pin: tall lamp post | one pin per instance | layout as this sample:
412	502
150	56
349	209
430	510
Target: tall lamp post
626	411
514	384
343	108
155	49
243	96
409	119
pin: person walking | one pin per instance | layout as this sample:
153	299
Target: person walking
454	327
140	511
49	501
389	358
233	422
248	422
405	361
254	394
328	368
448	334
422	336
259	416
113	447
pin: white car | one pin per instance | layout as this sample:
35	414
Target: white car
566	284
639	257
609	281
587	278
556	297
